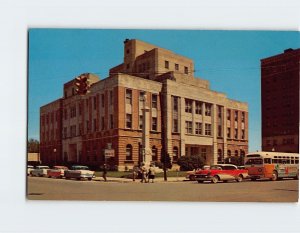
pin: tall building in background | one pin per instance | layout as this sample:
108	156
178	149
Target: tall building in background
183	117
280	101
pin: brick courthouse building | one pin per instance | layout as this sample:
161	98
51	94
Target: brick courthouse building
183	116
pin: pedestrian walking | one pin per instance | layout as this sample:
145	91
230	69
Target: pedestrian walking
144	174
104	174
134	173
151	174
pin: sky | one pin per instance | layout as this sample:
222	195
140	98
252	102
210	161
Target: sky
229	60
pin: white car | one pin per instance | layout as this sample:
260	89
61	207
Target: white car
40	171
79	172
29	169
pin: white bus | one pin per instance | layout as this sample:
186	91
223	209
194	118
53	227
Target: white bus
272	165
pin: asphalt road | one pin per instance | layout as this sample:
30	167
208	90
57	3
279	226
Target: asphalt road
247	191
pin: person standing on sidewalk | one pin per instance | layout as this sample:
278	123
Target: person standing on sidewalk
151	174
104	174
144	174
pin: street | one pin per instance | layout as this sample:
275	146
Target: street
116	190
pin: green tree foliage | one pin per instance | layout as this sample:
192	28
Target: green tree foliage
188	163
166	160
33	146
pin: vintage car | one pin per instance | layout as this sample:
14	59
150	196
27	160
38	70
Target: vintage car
29	169
79	172
57	172
190	175
221	172
39	171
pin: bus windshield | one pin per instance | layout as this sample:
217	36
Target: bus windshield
254	161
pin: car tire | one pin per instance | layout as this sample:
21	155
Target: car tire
78	178
274	176
239	178
192	177
253	179
200	181
225	181
215	179
89	179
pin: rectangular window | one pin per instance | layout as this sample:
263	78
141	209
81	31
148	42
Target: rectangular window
102	123
186	70
243	134
235	133
208	129
207	109
243	117
102	100
176	67
188	105
65	115
188	127
80	128
128	96
95	125
128	121
65	132
154	123
175	125
141	122
111	121
198	106
236	115
203	153
219	131
87	126
219	112
95	102
198	129
79	109
154	101
111	97
167	64
228	114
175	103
228	133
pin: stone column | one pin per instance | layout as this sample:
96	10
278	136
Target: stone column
224	132
214	115
182	125
147	153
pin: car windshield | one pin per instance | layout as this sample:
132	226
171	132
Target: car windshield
80	168
214	167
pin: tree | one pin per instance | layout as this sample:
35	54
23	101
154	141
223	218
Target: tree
188	163
33	146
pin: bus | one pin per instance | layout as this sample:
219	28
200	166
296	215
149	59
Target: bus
272	165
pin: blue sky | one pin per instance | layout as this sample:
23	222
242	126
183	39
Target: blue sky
230	60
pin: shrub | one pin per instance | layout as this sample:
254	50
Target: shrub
188	163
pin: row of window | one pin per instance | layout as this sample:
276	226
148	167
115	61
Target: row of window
49	118
198	128
154	98
176	67
129	122
285	141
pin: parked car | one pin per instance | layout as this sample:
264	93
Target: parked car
39	171
190	175
221	172
79	172
57	172
29	169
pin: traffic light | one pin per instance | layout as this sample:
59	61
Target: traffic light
82	83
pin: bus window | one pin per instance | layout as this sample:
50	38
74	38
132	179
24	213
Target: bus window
279	159
287	160
292	160
275	160
296	161
267	161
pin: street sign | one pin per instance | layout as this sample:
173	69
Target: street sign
109	153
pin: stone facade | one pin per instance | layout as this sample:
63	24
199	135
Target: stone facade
184	117
280	101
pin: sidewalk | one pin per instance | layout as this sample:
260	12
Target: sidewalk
126	180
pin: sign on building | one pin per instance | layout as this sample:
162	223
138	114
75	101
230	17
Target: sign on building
109	153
